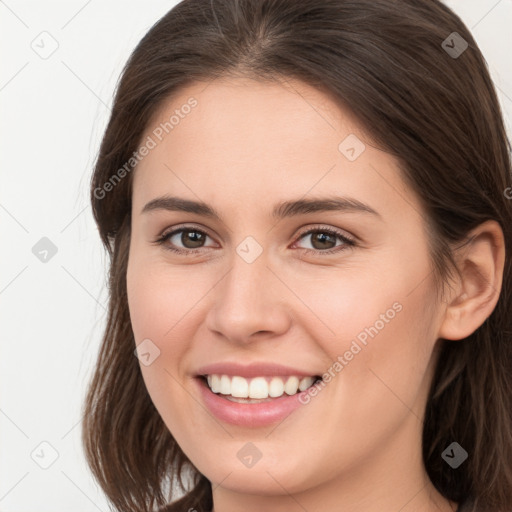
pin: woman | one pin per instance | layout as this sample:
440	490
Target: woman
307	209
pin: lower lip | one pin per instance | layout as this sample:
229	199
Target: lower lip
249	415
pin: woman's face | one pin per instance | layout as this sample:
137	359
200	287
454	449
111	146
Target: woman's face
270	282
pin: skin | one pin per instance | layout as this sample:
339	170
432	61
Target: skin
356	446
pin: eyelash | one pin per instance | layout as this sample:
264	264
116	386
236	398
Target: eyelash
347	242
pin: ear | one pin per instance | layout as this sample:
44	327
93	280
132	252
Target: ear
476	293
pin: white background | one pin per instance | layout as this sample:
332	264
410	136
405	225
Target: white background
53	114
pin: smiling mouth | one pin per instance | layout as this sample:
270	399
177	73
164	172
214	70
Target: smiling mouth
258	389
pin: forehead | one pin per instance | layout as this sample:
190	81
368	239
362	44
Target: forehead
233	118
251	141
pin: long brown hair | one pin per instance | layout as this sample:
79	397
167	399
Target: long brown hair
436	112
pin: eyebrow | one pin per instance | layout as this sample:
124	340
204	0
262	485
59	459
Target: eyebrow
280	211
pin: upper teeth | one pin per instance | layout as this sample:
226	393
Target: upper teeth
258	387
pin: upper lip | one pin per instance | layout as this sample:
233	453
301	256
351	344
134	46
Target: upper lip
252	370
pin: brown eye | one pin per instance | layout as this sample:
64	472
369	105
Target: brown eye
323	240
189	241
192	239
184	240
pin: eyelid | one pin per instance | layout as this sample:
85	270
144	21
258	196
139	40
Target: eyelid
306	230
347	239
330	229
184	227
168	233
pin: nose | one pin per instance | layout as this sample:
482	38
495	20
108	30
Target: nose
250	302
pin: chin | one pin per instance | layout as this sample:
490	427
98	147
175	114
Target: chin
264	481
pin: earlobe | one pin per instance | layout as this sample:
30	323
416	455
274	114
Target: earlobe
480	261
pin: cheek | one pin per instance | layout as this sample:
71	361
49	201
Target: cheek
378	330
385	347
162	310
165	308
162	303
